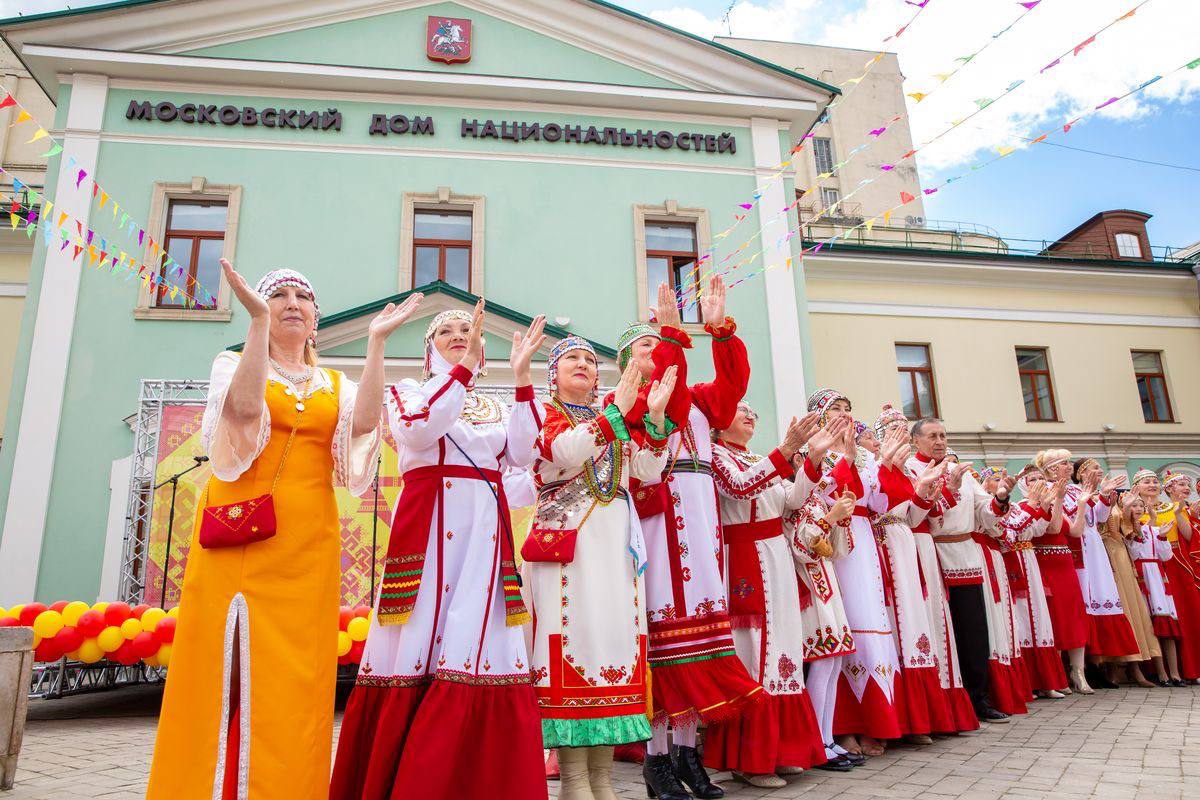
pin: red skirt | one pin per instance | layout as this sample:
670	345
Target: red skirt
1044	669
1167	627
780	731
1006	689
920	700
1064	598
873	716
1111	635
1187	607
440	739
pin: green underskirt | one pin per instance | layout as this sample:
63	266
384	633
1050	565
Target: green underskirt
595	732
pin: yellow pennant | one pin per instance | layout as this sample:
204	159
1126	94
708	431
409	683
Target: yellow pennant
869	223
918	96
103	198
41	134
46	212
62	217
825	175
116	208
874	60
942	76
22	117
1003	151
887	215
852	80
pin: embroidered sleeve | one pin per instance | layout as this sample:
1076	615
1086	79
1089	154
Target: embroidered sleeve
648	462
231	448
566	447
718	399
747	483
803	484
524	425
354	457
421	413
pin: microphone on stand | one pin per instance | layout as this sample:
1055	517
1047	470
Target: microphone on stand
200	459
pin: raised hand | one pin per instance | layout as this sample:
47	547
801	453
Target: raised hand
667	310
393	316
712	303
1060	488
249	298
825	438
843	508
799	431
524	346
474	353
956	474
930	481
893	440
626	392
659	394
1007	482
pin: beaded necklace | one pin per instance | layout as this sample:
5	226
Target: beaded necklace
602	474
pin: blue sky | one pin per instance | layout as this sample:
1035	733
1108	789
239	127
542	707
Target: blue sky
1040	192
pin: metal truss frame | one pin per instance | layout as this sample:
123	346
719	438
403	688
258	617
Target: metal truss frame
153	395
62	678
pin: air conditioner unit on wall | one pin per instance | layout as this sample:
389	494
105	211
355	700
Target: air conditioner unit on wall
914	222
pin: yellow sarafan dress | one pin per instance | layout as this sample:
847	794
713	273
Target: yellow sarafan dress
259	623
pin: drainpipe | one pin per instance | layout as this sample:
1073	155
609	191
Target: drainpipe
1196	272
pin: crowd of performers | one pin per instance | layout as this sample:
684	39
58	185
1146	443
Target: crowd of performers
855	586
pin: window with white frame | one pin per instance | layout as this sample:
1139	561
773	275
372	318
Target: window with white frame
196	224
441	239
1128	245
669	241
823	154
829	197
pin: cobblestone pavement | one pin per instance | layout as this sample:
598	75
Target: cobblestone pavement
1122	743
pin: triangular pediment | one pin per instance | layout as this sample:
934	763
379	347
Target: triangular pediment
560	40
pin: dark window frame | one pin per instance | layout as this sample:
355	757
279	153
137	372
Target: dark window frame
193	266
911	372
677	261
817	155
443	245
1034	376
1161	375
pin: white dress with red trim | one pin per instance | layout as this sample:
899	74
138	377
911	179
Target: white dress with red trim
696	673
1109	631
866	694
1008	682
764	604
922	702
822	613
447	668
1033	631
1149	553
588	638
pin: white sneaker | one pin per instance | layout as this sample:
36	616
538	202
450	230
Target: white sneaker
1053	695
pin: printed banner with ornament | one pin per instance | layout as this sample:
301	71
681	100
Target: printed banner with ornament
362	539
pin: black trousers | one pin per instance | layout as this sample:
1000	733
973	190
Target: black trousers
969	615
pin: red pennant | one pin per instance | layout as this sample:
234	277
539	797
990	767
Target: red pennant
7	101
78	250
905	197
95	189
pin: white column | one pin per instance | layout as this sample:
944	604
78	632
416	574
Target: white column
787	358
36	437
114	532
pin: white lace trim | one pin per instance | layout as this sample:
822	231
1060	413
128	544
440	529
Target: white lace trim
237	619
354	457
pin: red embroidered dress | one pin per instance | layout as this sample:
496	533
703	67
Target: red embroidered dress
764	603
452	678
1033	630
695	669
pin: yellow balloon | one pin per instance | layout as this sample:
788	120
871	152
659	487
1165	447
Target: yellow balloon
90	652
15	611
109	639
344	643
164	655
3	612
358	628
131	627
151	618
99	607
36	641
73	612
47	624
151	660
174	612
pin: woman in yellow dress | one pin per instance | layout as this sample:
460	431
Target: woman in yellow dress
248	708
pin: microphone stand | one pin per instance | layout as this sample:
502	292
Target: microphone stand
174	481
375	527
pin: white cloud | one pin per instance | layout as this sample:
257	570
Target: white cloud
1161	36
782	20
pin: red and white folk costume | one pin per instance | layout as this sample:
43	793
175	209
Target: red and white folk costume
1149	554
1032	626
445	667
588	638
696	673
764	607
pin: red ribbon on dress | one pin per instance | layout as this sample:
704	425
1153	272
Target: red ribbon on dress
988	543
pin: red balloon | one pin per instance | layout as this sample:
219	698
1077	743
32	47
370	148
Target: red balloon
139	610
144	645
90	624
356	652
124	654
47	651
30	612
68	640
344	660
362	611
9	622
59	606
116	613
344	617
164	632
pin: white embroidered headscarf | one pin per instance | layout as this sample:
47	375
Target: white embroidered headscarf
435	363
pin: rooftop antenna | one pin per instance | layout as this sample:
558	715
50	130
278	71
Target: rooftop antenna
725	18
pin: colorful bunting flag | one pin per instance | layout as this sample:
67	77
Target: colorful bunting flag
917	96
906	198
41	134
1084	44
8	100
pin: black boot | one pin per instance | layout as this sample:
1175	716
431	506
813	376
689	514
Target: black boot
660	779
689	770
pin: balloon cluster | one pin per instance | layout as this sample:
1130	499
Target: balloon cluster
126	635
86	633
353	625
